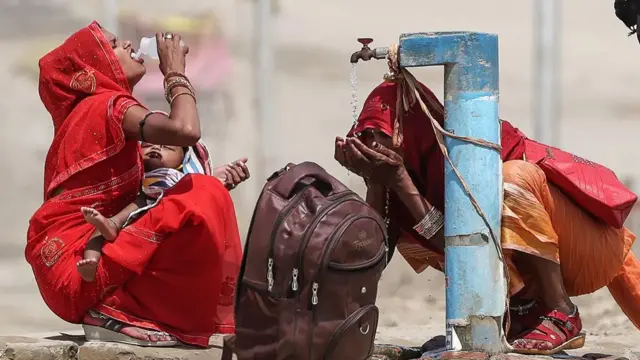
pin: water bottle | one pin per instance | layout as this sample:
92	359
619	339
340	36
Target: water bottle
149	47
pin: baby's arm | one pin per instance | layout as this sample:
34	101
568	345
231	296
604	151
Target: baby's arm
232	173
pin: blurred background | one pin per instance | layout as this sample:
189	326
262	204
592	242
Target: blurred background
275	88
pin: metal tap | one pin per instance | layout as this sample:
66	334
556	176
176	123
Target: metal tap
366	53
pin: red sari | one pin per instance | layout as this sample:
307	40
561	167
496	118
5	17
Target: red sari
175	268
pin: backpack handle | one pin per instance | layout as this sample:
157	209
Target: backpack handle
291	178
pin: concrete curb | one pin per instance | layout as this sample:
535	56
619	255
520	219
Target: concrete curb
56	346
71	347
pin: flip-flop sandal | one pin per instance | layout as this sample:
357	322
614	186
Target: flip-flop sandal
569	325
110	332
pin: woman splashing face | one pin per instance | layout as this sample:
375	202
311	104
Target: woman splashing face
553	248
180	259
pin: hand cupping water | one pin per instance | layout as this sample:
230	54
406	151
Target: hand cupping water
377	164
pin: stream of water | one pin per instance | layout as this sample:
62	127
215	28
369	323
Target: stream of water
353	79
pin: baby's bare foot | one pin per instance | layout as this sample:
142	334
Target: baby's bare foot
87	269
106	227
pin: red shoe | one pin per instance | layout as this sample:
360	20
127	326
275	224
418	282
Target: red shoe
541	340
524	317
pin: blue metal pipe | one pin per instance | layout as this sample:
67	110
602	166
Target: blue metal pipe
476	288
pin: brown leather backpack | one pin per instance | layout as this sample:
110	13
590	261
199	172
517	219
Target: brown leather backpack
309	277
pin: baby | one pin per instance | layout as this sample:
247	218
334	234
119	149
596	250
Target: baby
163	168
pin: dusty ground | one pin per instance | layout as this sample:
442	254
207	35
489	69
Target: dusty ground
311	105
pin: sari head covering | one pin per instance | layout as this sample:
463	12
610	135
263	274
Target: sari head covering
82	78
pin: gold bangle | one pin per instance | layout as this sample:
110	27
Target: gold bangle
182	81
169	96
175	74
177	83
175	78
182	93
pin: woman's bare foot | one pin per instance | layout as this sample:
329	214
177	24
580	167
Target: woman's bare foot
106	227
87	269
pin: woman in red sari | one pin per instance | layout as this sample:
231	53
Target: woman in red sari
554	249
168	277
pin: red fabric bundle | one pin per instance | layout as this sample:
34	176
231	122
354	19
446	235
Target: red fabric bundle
592	186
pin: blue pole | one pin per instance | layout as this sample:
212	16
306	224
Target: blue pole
476	288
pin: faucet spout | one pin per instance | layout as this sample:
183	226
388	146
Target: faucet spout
366	53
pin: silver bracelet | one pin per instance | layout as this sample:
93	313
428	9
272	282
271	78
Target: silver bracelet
429	226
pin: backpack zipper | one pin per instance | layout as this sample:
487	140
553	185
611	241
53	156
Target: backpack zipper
274	232
332	244
338	200
364	266
342	227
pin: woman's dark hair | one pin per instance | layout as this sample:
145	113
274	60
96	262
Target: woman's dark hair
628	11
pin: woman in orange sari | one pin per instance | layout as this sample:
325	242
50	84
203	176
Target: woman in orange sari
554	249
168	277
